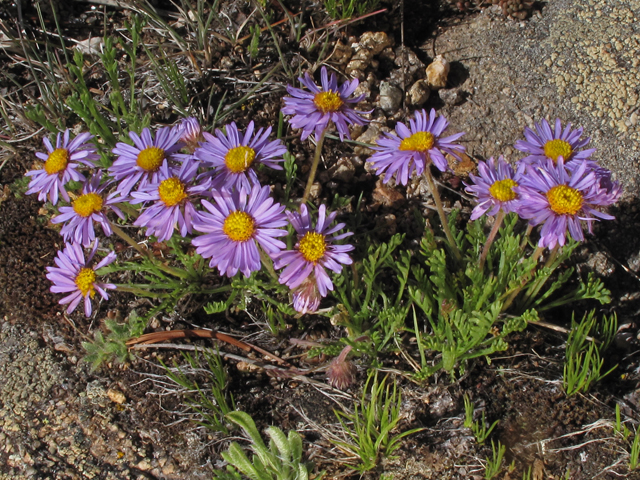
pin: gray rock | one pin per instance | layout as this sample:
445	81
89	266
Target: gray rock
451	97
343	170
390	98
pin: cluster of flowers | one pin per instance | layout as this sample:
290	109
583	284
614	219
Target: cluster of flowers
213	190
193	181
556	184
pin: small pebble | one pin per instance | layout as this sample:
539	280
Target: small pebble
438	73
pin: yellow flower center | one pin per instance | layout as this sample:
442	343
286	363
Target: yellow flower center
312	246
564	200
239	226
418	142
57	161
557	148
502	190
171	191
87	204
328	101
85	280
150	158
239	159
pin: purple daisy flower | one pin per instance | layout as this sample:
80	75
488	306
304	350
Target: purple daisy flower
173	197
561	199
312	111
143	161
494	187
236	225
61	165
191	133
235	156
546	143
412	149
89	207
313	252
73	275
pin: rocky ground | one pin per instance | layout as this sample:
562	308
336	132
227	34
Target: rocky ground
572	59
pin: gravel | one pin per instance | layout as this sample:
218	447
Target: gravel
574	60
59	421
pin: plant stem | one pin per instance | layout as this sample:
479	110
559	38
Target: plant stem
121	233
443	218
268	264
552	256
139	291
535	255
129	210
314	167
535	289
526	237
147	253
146	290
492	235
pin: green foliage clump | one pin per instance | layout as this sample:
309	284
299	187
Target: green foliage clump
214	408
345	9
583	357
479	428
372	422
113	346
281	460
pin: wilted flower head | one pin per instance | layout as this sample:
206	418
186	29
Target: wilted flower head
313	110
561	199
142	162
173	198
612	190
61	165
235	226
235	156
411	150
553	144
494	188
306	297
73	275
341	373
313	252
90	206
191	133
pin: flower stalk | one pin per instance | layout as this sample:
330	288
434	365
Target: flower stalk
147	253
124	236
443	217
533	291
314	167
492	235
268	263
535	256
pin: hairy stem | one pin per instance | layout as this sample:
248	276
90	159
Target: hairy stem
443	217
124	236
314	167
147	253
526	237
535	255
492	235
139	291
535	289
268	264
